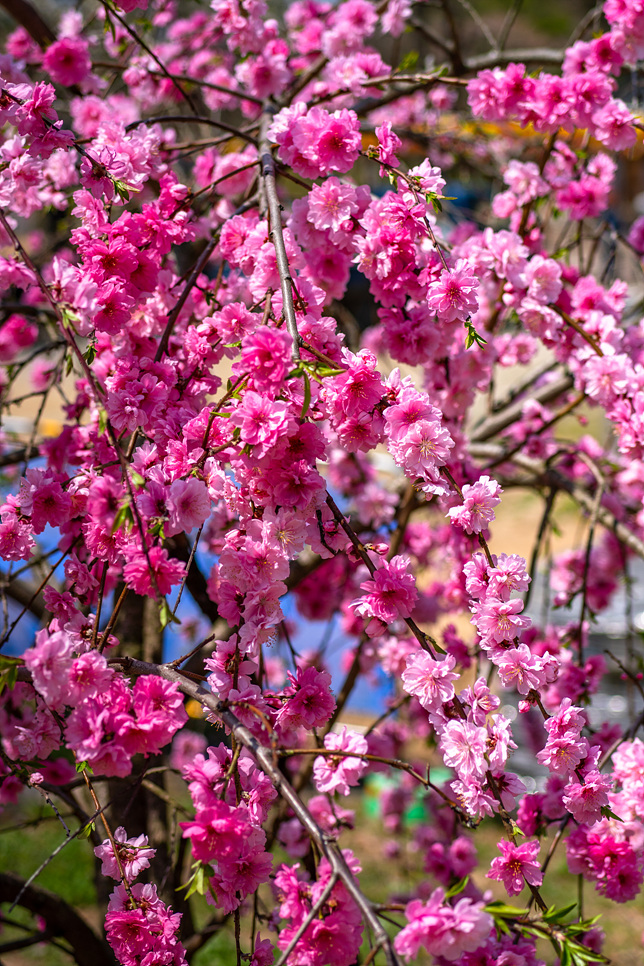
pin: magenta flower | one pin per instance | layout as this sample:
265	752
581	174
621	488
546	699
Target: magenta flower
310	703
188	505
463	746
148	932
153	573
517	866
498	621
443	930
453	296
133	853
68	61
331	204
585	801
332	774
429	680
260	420
391	593
339	142
477	510
388	144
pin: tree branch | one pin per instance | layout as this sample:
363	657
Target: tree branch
548	476
61	919
264	758
497	422
29	18
277	235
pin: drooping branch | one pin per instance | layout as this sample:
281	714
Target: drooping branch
425	640
277	235
265	760
29	18
540	474
196	583
111	12
87	948
197	119
497	422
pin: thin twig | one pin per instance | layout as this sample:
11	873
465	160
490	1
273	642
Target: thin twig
110	11
508	23
43	865
312	913
277	236
197	119
481	24
425	640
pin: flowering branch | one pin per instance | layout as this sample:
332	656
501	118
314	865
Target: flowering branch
277	237
264	759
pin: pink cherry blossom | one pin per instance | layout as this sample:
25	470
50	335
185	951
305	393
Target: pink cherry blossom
442	929
67	61
188	505
476	511
453	296
339	773
463	746
429	680
517	865
133	855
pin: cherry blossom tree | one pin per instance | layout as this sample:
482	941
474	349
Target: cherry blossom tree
292	383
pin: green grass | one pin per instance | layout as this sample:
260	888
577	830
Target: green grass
22	850
69	875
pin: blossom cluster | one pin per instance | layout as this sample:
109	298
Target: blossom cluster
281	354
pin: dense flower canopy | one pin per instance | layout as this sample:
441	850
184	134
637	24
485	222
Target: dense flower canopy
192	204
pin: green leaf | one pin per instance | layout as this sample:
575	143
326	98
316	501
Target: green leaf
579	955
136	478
197	883
473	336
102	421
558	915
82	766
157	529
607	812
307	395
408	62
504	911
457	887
123	519
532	931
122	189
87	830
325	371
584	924
166	616
68	317
90	353
8	672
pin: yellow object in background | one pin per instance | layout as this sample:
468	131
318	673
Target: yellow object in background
194	709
